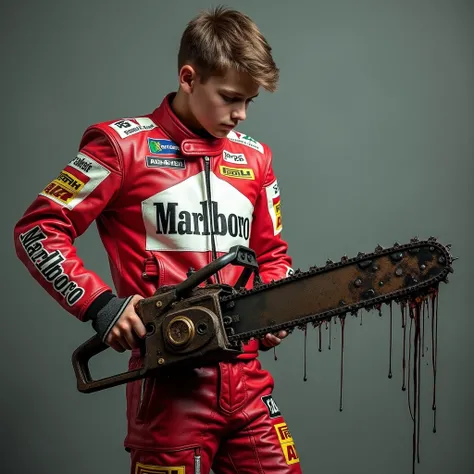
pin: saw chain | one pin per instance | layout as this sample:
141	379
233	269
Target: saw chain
193	324
364	282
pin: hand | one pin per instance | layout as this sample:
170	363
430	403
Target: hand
124	334
271	340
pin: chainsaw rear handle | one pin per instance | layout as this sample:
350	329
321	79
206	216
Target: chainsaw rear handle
237	255
80	362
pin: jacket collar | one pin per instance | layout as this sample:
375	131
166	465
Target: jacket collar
189	143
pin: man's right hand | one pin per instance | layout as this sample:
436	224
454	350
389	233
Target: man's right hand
129	326
118	324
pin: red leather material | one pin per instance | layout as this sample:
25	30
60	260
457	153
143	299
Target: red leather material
151	210
144	182
216	413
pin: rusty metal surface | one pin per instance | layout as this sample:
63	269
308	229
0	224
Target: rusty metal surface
337	288
211	323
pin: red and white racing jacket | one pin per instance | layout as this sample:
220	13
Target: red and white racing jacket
164	200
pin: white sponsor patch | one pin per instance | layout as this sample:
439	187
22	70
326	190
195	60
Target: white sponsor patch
243	139
49	264
235	158
69	190
274	205
128	127
178	218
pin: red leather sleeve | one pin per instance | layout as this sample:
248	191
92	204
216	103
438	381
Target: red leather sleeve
45	234
273	259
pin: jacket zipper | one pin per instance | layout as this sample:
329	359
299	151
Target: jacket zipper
197	461
207	173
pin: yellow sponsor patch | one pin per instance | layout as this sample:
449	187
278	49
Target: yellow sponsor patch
152	469
274	206
287	445
240	173
64	188
277	209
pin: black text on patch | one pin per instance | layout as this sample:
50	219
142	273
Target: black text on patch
176	163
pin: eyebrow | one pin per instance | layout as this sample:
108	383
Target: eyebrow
232	92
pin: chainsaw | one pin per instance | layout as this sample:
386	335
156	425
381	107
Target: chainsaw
194	323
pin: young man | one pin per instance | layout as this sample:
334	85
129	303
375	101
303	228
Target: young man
170	191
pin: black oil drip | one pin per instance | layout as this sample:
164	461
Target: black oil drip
330	326
434	349
305	378
319	336
342	362
390	344
409	363
404	325
415	317
423	329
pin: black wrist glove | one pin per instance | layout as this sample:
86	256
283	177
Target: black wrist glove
105	311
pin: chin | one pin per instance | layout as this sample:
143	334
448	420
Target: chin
219	133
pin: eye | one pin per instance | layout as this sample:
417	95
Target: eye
228	99
232	100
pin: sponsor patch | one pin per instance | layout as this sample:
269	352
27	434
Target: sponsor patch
128	127
82	163
64	188
274	206
158	146
239	173
243	139
49	264
272	407
235	158
155	162
153	469
69	190
180	218
287	444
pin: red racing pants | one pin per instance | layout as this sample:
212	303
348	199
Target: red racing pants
221	417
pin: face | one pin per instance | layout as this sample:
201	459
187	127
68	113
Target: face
219	104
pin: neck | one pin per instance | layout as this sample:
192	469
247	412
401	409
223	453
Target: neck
181	109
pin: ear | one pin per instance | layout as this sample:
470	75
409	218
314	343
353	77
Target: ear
187	78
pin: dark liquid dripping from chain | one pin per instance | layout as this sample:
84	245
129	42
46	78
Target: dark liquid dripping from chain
330	326
305	378
275	353
420	350
423	330
342	362
427	309
434	349
390	347
319	342
409	364
415	317
404	324
361	319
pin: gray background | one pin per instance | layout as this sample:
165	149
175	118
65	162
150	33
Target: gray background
372	131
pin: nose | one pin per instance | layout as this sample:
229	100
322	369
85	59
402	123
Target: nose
239	112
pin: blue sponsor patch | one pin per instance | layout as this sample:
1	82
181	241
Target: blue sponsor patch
159	146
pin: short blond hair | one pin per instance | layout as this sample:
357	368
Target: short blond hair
220	39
